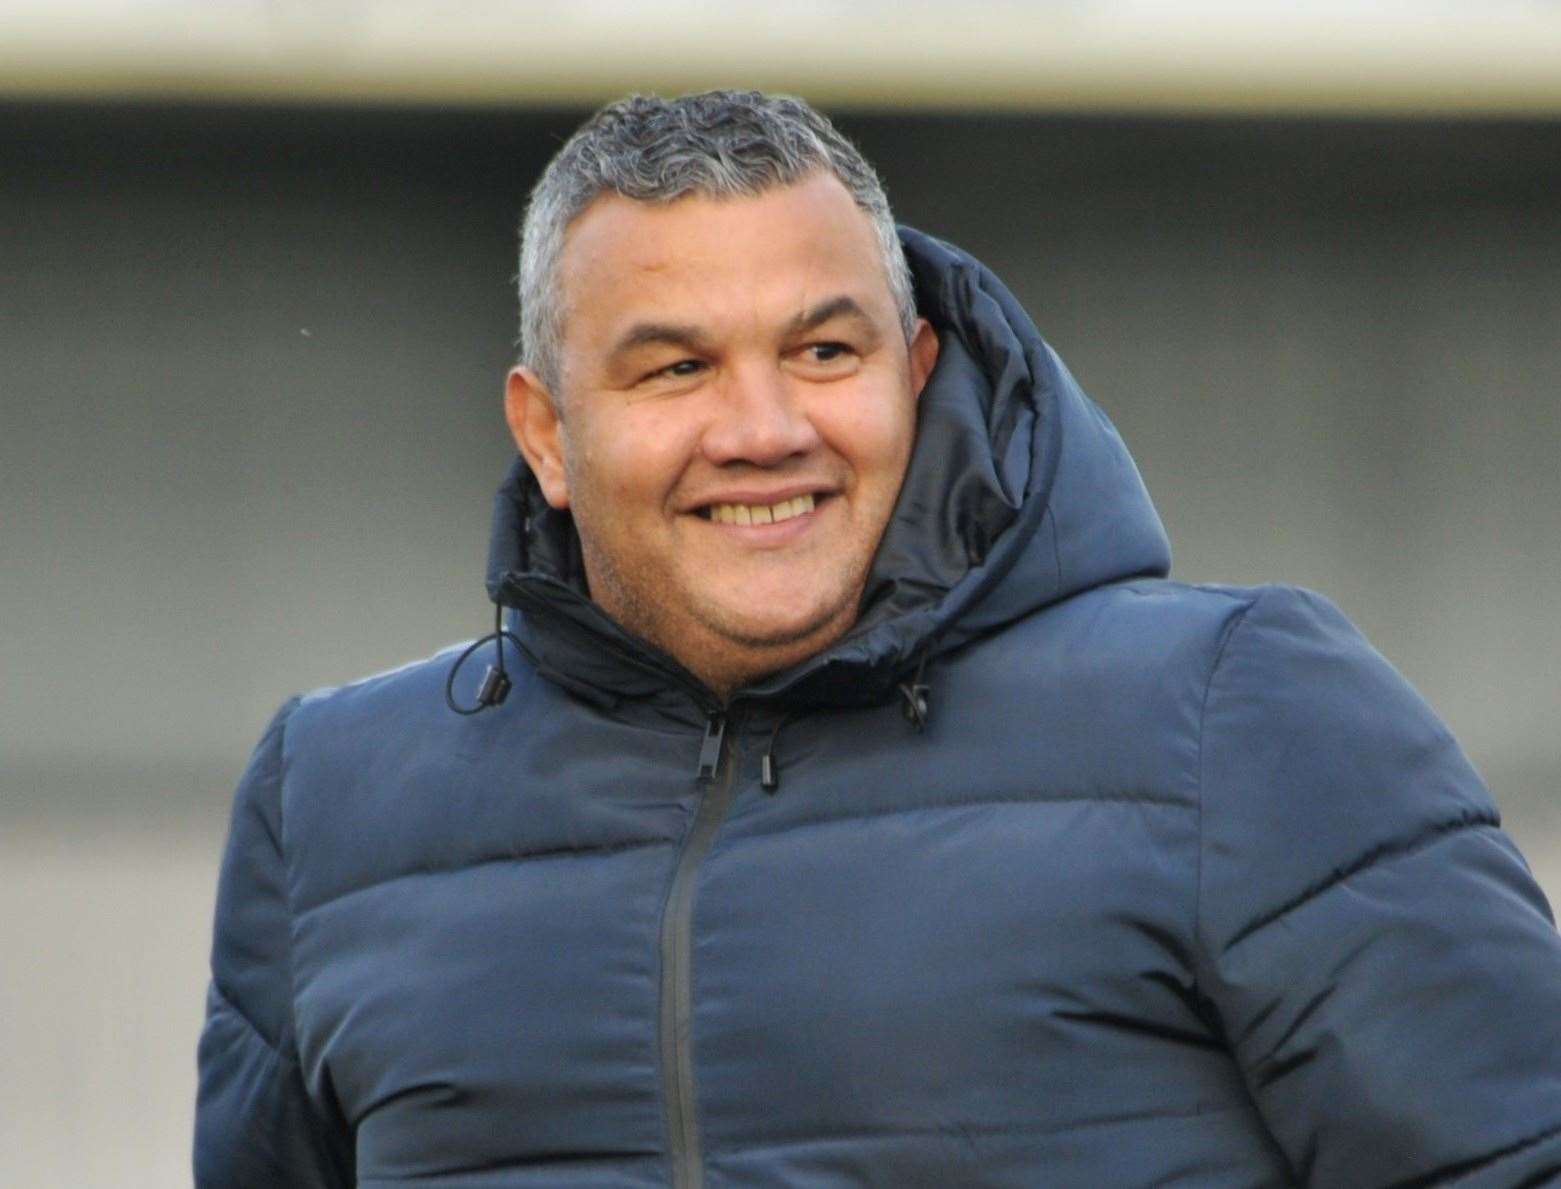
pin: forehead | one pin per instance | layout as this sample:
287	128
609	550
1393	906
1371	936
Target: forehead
718	262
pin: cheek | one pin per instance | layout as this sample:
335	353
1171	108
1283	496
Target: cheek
625	463
873	435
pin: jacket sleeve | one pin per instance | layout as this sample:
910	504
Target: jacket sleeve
255	1121
1379	958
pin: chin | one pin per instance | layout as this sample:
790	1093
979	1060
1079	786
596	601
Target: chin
820	626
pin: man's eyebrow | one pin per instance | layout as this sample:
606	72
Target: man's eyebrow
686	335
644	334
843	306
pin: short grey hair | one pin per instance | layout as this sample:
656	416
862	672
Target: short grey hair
722	144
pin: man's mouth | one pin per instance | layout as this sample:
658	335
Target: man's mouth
759	513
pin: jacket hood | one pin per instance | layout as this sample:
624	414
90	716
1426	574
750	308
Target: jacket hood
1019	493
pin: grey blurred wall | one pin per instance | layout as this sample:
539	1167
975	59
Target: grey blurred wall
250	365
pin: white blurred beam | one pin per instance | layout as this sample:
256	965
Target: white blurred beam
1434	57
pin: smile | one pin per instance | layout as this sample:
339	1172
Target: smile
760	513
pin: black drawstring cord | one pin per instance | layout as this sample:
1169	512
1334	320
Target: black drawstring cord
915	693
495	685
769	774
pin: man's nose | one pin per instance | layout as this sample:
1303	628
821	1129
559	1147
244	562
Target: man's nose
760	418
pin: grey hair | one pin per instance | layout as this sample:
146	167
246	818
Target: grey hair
722	144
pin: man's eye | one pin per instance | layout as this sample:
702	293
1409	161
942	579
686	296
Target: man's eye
682	368
826	352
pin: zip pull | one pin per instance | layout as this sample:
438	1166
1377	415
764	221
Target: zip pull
769	771
710	749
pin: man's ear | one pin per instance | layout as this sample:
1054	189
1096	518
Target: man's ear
924	354
538	430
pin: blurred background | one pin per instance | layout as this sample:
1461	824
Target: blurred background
255	309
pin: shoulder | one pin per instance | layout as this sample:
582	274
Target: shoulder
384	758
344	742
1276	652
409	698
1113	646
1189	688
1317	760
1292	670
1100	692
405	689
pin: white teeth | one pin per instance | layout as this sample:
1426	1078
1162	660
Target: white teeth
761	513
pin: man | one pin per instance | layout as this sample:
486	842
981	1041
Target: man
850	799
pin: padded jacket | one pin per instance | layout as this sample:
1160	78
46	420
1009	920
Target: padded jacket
1175	885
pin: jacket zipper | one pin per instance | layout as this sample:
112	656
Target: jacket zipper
717	772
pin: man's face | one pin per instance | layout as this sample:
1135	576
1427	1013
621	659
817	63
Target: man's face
736	412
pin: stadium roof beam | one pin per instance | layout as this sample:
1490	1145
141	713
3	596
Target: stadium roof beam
1366	57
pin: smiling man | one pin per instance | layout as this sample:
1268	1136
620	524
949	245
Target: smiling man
729	419
851	799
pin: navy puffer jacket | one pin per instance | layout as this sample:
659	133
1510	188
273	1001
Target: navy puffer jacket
1175	886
